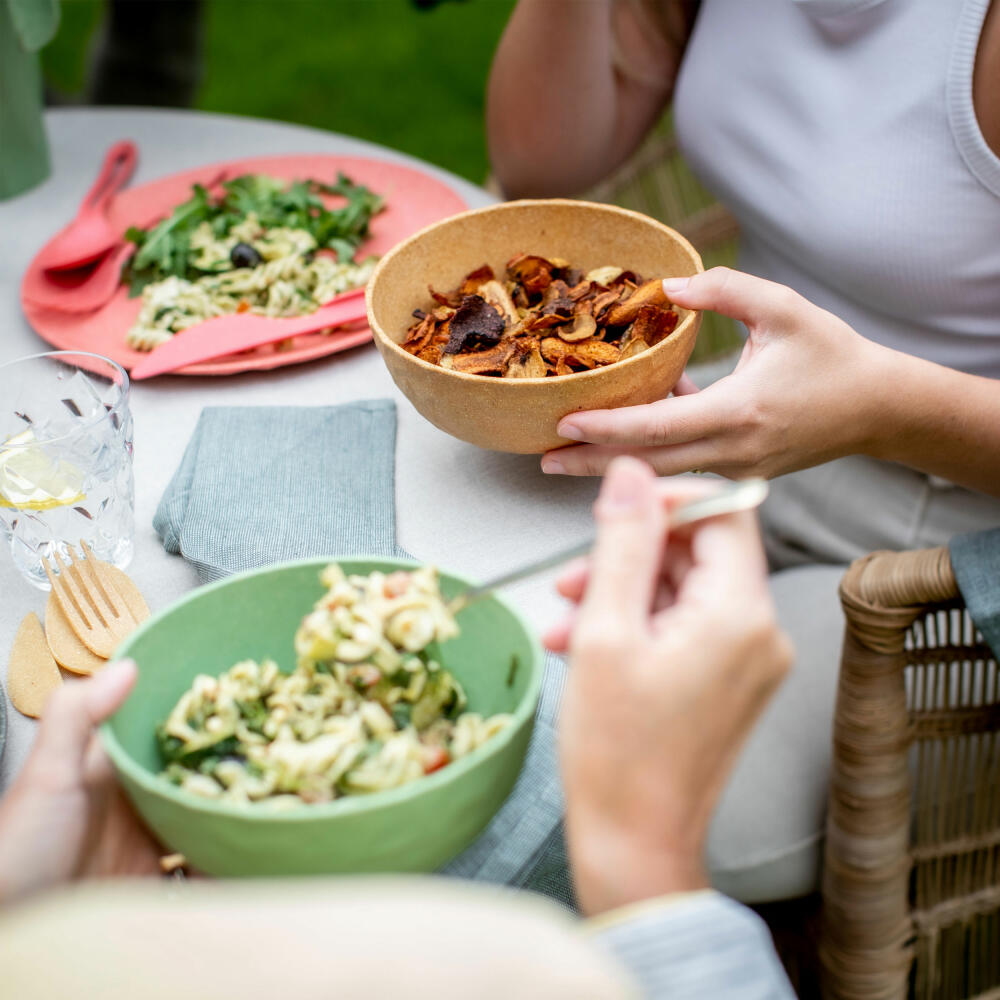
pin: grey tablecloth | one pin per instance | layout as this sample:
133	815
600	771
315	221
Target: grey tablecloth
443	486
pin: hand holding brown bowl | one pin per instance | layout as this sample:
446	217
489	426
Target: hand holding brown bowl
520	414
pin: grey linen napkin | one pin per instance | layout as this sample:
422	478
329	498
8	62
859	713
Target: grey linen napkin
975	558
257	485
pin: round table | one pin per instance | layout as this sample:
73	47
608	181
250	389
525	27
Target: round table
471	511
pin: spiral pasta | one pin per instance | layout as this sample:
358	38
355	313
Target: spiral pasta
366	708
291	279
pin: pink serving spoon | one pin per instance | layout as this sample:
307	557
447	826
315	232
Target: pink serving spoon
78	291
223	335
90	234
86	289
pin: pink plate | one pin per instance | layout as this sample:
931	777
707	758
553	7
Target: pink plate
413	200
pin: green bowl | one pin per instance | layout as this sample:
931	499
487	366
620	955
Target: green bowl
415	828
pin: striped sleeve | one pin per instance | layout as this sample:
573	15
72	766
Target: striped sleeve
697	945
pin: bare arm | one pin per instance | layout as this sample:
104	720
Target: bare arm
940	421
559	115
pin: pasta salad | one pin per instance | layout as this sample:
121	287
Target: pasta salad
367	707
263	245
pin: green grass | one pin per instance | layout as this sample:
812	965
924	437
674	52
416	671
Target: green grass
378	69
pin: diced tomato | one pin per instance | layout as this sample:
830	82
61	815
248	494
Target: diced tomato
243	307
435	758
396	583
365	676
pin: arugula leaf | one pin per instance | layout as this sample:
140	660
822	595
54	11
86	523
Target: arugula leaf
172	749
164	250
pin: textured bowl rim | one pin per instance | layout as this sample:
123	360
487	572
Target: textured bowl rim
349	804
381	337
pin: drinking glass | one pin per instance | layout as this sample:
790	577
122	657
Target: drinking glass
65	459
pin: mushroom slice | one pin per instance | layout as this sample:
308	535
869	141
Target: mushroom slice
533	272
444	300
604	301
431	352
535	321
557	291
583	329
603	275
581	290
653	323
632	344
587	354
419	334
475	324
472	283
593	353
491	362
496	295
518	295
552	349
649	294
627	278
527	364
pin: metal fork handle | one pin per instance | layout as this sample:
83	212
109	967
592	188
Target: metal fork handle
744	495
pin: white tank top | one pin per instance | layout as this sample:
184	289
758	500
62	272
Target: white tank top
842	135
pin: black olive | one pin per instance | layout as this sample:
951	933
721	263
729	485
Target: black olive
244	255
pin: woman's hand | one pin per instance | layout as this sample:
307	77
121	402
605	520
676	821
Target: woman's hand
807	389
674	653
65	817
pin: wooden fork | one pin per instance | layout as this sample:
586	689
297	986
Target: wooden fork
95	609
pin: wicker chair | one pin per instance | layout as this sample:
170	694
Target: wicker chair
911	892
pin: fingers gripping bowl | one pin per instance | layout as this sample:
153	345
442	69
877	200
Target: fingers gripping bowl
521	415
414	827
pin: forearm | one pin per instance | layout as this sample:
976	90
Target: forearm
938	420
559	116
551	102
612	867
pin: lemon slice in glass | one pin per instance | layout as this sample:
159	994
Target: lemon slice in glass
31	480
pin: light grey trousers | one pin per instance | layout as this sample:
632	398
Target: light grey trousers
766	842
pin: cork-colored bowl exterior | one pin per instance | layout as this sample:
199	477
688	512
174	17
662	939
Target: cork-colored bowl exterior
521	415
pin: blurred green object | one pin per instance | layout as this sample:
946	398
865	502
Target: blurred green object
416	827
25	26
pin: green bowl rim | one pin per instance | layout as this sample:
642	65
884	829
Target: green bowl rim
349	804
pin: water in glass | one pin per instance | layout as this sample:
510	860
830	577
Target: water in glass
65	459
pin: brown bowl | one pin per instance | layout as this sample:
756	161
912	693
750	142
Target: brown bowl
521	415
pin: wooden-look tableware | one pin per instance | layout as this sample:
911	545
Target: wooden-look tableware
96	609
66	646
521	415
32	673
